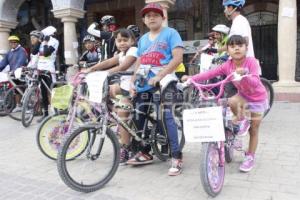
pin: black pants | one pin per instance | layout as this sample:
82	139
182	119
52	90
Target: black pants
46	77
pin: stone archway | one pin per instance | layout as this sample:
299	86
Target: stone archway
9	10
8	21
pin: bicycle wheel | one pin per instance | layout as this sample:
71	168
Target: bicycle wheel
10	102
159	144
3	92
95	166
211	172
270	91
30	106
50	135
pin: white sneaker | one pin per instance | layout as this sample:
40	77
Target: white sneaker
18	108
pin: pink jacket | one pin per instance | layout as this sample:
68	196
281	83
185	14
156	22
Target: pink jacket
250	87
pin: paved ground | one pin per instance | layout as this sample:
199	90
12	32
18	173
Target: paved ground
26	174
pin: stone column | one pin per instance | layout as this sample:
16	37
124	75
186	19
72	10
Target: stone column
5	29
69	17
166	5
287	47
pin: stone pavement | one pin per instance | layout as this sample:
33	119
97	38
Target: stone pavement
28	175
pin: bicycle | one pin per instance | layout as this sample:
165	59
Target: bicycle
32	98
214	154
14	85
71	106
69	103
68	171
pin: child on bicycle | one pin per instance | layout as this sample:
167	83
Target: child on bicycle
162	49
123	61
251	95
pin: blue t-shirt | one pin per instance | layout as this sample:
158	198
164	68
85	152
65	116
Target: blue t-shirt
159	51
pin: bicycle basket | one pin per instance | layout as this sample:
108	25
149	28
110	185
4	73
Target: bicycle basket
61	97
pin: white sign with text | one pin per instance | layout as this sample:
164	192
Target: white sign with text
95	82
203	124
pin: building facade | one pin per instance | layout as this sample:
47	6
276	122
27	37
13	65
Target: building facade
275	26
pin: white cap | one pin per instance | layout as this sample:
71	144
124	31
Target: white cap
221	28
50	30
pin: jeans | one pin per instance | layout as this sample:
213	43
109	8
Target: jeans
166	100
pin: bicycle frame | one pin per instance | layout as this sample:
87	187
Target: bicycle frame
223	102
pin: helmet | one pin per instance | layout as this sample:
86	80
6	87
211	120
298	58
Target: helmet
135	29
221	28
37	34
48	31
13	38
107	20
236	3
89	38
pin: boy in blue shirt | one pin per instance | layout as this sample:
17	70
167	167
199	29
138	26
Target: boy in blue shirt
162	49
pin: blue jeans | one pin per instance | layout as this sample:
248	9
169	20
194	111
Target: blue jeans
167	98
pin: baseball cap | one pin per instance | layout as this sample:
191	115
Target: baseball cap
155	7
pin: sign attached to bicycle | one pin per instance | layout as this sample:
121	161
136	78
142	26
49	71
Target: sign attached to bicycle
95	82
203	124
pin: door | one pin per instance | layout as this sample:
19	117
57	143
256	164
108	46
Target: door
264	34
265	48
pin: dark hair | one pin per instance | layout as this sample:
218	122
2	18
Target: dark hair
236	40
124	33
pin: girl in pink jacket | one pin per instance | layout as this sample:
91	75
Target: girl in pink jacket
251	96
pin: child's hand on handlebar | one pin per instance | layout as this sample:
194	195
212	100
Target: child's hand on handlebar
154	81
241	71
86	70
132	91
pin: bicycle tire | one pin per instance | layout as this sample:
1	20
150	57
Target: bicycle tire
49	136
207	151
160	144
12	102
66	175
270	90
2	101
26	118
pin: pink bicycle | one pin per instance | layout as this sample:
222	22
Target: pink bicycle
215	154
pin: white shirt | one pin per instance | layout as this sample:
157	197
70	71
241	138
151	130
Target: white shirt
48	63
125	80
241	26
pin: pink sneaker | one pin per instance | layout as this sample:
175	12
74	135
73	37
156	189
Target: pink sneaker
248	163
244	127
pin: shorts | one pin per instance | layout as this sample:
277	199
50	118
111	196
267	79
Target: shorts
259	107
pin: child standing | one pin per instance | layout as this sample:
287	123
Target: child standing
251	93
162	49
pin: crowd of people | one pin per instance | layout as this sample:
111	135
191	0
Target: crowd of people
162	48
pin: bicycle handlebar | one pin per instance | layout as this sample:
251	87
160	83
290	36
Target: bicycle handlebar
207	87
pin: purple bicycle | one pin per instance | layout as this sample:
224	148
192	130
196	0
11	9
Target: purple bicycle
214	154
